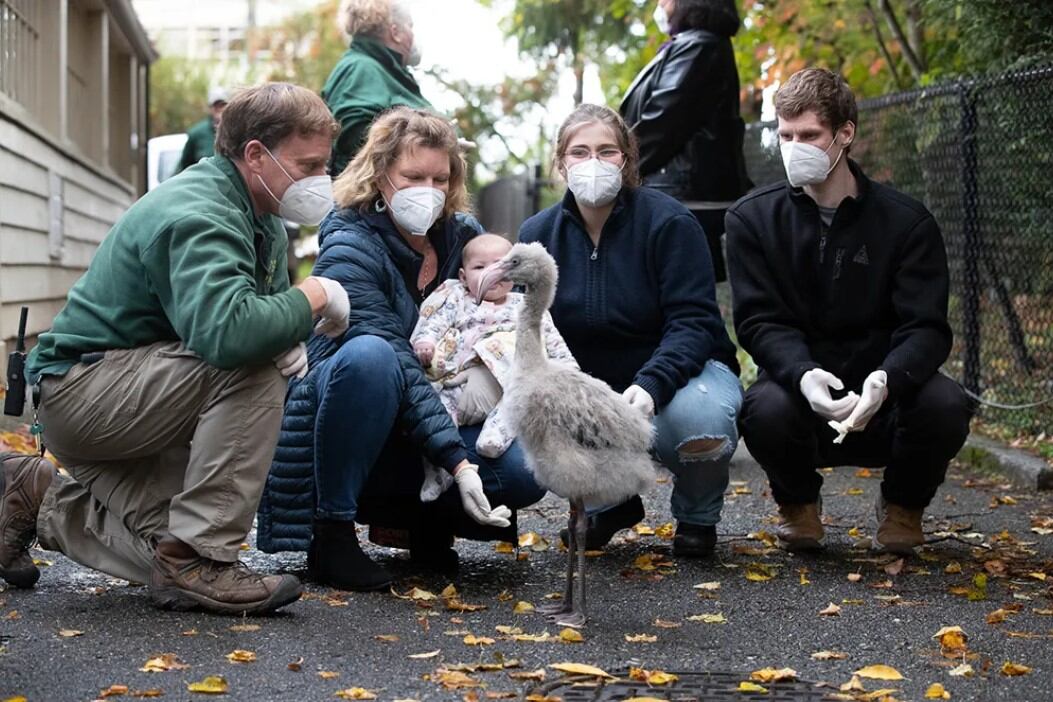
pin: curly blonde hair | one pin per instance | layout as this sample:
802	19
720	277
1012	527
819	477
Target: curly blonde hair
370	17
392	133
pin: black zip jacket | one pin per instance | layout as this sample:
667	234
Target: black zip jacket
641	307
869	294
683	108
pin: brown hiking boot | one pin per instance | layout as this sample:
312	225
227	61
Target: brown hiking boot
801	529
899	528
23	482
182	579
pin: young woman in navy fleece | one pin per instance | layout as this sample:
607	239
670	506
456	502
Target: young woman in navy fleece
636	304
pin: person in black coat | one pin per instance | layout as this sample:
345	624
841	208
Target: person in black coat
840	288
683	108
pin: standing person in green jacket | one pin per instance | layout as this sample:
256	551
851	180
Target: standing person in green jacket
373	74
162	379
201	137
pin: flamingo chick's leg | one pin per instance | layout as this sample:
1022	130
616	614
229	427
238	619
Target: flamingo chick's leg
576	616
554	610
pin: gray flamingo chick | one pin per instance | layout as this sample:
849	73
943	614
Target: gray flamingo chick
581	439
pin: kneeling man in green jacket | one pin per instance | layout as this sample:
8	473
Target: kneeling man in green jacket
162	379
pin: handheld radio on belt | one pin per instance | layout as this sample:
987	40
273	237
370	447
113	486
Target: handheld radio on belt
15	402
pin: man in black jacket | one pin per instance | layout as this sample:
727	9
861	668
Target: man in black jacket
840	295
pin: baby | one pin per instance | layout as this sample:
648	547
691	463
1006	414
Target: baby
457	340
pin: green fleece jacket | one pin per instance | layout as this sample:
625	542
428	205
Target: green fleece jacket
200	142
368	79
190	261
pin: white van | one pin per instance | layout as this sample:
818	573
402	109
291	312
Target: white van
162	158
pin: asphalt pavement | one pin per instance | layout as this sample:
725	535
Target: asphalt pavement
79	634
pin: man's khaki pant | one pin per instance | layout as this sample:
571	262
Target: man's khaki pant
156	441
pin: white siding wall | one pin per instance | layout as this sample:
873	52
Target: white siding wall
38	269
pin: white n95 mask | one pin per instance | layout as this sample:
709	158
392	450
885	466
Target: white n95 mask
307	201
595	183
806	164
416	208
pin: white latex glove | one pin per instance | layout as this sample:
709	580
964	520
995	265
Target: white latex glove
875	391
293	362
639	399
474	501
337	308
816	385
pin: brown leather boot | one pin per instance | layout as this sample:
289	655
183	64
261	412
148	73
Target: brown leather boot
801	529
23	482
899	528
182	579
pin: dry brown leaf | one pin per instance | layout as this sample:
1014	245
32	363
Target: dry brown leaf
998	616
641	638
189	632
854	577
522	607
504	547
508	630
241	656
711	586
952	639
113	690
70	633
1011	669
533	638
666	624
166	661
770	675
666	531
429	654
759	572
962	671
853	685
152	692
831	610
717	618
473	640
829	655
879	672
211	685
581	669
328	674
356	693
895	567
388	638
296	666
953	568
537	675
244	627
652	677
454	680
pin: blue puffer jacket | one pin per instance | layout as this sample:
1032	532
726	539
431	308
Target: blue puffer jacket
368	256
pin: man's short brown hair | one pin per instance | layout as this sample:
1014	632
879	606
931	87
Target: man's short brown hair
818	90
270	113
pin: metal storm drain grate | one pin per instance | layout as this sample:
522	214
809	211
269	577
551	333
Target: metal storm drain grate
690	687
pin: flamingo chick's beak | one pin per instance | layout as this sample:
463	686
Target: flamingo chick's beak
492	275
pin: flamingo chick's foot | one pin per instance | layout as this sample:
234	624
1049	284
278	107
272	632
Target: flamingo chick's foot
574	619
554	610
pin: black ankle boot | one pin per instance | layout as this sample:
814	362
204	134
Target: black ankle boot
694	540
336	559
432	548
603	525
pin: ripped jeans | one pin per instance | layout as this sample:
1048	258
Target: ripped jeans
695	437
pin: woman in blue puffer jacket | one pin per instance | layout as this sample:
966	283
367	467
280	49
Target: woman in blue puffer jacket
357	427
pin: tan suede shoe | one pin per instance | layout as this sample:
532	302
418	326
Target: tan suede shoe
899	528
23	482
801	529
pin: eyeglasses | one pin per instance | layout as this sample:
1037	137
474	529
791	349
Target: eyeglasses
583	153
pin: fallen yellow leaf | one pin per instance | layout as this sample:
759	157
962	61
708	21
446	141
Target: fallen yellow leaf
644	530
829	655
770	675
879	672
854	577
356	693
152	692
641	638
453	680
854	491
569	635
666	531
537	675
70	633
953	568
328	674
580	669
759	572
388	638
935	691
114	690
504	547
853	685
715	585
241	656
522	607
533	638
831	610
666	624
951	638
166	661
429	654
962	671
751	687
1011	669
717	618
244	627
508	630
652	677
212	685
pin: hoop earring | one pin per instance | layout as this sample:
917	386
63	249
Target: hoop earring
380	206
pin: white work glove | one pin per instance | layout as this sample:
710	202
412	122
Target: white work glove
815	386
875	391
293	362
474	501
337	308
639	399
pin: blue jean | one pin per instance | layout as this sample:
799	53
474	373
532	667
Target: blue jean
704	409
359	391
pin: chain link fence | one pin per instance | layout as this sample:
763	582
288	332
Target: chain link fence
979	154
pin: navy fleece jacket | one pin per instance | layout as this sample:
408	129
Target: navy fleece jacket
641	307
